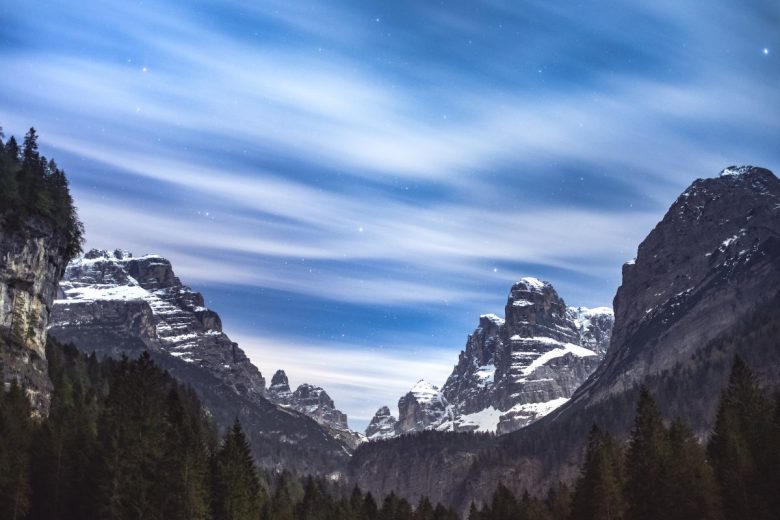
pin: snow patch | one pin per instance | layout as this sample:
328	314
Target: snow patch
568	348
735	171
539	409
424	392
493	318
534	283
91	293
485	420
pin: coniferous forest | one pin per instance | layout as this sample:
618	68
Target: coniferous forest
124	440
33	186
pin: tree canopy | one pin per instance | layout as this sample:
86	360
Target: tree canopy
33	186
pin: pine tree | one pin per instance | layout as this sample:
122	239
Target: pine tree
689	482
314	503
772	482
442	513
31	175
503	505
648	453
183	491
280	507
16	429
599	491
741	446
370	510
9	165
237	487
356	500
131	438
424	510
559	500
474	513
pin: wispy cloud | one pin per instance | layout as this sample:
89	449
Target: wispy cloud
408	155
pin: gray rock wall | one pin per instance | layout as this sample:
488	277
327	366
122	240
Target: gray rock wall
32	259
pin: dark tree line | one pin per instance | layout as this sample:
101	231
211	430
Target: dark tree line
663	472
124	440
33	186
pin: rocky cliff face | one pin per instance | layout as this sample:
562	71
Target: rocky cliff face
315	402
32	259
514	370
382	426
424	407
711	260
705	285
114	304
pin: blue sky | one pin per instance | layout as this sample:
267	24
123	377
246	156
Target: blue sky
351	184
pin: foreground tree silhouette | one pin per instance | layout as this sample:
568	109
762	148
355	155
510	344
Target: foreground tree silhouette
130	441
15	431
599	491
646	462
237	487
744	448
185	463
690	486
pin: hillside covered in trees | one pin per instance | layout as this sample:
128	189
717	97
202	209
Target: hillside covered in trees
33	186
664	472
124	440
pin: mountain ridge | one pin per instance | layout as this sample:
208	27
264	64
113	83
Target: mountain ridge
117	304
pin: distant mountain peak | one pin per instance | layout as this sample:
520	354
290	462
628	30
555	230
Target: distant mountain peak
382	426
513	370
279	383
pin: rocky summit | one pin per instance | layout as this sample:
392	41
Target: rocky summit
711	261
315	402
115	304
513	370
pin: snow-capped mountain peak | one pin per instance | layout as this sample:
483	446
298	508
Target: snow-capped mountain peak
117	303
382	426
513	370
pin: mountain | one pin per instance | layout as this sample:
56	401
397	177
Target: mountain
704	286
709	262
423	408
315	402
513	371
115	304
382	426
